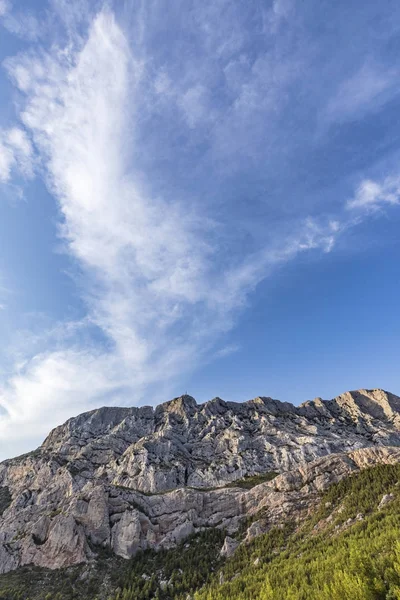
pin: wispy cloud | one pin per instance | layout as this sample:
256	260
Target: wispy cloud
148	269
372	195
156	270
16	154
226	350
365	91
277	14
4	7
153	286
23	24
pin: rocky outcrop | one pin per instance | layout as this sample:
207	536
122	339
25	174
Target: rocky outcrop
385	500
180	443
135	478
229	547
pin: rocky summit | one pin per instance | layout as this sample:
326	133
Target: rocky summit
126	479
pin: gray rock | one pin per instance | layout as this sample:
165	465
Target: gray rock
229	547
127	534
136	478
385	500
253	531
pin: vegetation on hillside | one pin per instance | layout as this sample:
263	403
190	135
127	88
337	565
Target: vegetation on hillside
173	573
161	575
5	499
75	583
251	481
348	549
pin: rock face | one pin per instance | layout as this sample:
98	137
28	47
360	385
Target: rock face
135	478
229	547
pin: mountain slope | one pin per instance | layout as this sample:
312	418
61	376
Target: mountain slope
123	480
180	443
346	548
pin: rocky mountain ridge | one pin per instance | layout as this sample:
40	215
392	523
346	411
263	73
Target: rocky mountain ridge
133	478
181	443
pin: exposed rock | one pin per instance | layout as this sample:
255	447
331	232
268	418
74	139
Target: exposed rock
96	520
126	534
66	545
102	479
229	547
180	443
253	531
385	500
40	530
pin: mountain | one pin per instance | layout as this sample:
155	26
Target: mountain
122	480
347	549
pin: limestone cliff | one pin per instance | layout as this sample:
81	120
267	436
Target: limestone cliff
133	478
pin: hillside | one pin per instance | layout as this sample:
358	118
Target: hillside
121	498
346	548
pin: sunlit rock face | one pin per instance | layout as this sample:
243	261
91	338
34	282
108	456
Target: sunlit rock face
134	478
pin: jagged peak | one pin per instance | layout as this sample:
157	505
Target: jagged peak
271	404
184	405
369	403
95	472
184	400
375	392
376	402
362	403
215	406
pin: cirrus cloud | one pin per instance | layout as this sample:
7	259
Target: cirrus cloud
159	281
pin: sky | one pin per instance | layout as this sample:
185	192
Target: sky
196	197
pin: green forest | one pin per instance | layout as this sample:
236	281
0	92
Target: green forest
349	548
346	557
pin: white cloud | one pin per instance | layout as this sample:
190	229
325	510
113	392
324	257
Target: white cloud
278	13
371	195
195	105
157	286
365	91
145	262
15	154
55	384
4	7
51	386
230	93
227	351
23	24
6	163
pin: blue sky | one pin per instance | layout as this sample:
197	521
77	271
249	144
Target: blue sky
195	196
